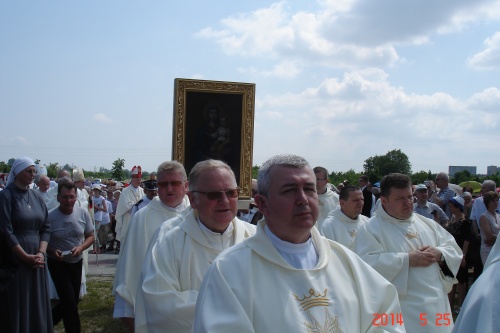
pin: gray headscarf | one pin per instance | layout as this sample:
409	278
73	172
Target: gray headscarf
19	165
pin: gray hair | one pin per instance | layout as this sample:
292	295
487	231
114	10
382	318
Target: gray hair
172	166
489	185
203	166
444	175
284	160
467	194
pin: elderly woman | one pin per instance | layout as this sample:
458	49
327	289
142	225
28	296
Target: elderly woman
489	224
24	234
460	228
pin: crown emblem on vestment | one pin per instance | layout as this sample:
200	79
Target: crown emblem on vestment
313	299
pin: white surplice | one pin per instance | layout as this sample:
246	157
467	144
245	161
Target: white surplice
142	228
173	270
481	309
384	243
340	228
251	288
328	201
128	198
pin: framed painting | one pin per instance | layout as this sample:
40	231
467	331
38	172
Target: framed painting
214	119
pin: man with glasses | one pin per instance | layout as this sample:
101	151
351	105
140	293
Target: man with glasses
171	187
288	278
445	193
328	200
176	262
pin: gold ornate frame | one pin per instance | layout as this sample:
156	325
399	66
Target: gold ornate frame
195	104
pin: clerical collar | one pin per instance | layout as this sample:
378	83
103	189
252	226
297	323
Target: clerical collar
178	208
300	256
216	239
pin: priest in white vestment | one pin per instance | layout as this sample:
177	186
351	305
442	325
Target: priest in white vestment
177	261
171	186
328	200
128	198
414	253
343	223
481	309
289	278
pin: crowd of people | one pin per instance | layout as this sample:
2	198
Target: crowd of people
305	256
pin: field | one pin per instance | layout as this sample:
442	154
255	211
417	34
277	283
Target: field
96	309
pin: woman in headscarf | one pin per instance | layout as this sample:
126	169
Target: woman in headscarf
24	235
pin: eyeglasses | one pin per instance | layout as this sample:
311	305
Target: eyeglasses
174	183
217	195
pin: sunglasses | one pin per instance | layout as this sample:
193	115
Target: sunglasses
217	195
174	183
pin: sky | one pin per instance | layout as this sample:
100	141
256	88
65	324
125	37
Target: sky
337	81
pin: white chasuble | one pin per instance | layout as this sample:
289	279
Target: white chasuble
384	243
340	228
251	288
172	273
128	198
142	227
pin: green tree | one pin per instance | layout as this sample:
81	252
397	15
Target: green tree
11	161
419	177
52	170
255	171
117	169
339	177
460	177
394	161
4	167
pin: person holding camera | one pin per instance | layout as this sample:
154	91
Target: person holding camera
71	233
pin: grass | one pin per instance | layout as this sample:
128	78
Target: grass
96	308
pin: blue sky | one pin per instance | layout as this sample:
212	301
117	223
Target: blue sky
337	81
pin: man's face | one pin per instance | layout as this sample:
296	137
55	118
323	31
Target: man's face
44	184
135	182
422	196
321	181
218	213
67	200
353	206
80	184
362	183
399	203
171	188
291	206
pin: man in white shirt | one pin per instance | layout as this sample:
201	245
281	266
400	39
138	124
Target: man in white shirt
414	253
343	223
171	186
328	200
288	278
176	262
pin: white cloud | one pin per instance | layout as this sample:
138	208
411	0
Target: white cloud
362	114
102	118
489	58
345	34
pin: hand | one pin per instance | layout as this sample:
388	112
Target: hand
419	258
37	260
435	252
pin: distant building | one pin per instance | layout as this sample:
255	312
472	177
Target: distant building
491	170
453	169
